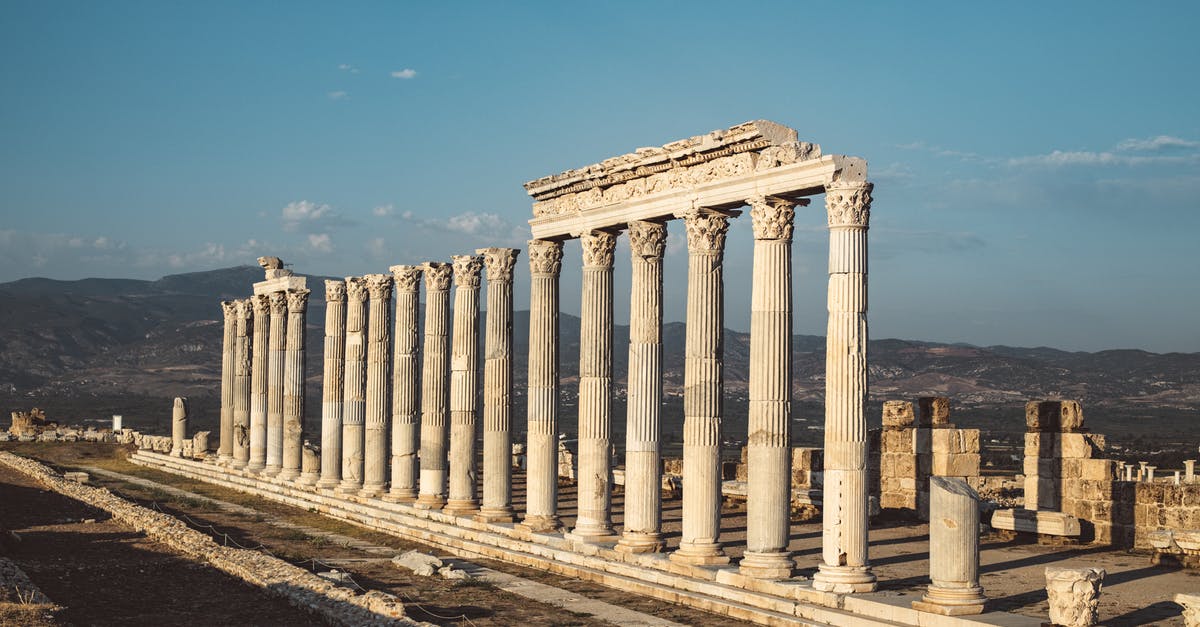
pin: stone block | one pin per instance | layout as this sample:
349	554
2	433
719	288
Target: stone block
1048	523
898	414
1097	470
1053	416
958	465
808	458
897	441
935	411
1080	445
905	465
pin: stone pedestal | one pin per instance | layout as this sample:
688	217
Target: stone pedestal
497	386
642	531
541	511
702	392
1074	595
260	363
293	385
405	374
179	423
241	385
378	405
1189	470
332	384
953	550
594	520
354	404
310	465
225	450
844	567
277	357
434	372
768	501
464	366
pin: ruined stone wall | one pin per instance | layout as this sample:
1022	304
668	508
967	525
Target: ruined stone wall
1164	506
913	447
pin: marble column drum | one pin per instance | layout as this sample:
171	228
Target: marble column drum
703	390
258	382
225	446
332	382
293	385
464	367
435	369
277	355
405	375
378	407
355	389
953	550
179	425
594	520
541	451
844	567
768	442
497	386
241	384
642	532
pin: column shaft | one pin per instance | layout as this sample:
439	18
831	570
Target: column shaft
378	406
225	447
241	385
293	385
953	550
332	382
541	477
464	367
258	382
497	386
405	411
355	390
276	361
434	391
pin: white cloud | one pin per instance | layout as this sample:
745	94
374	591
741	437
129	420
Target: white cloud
377	248
304	215
1155	144
473	223
320	242
338	95
383	211
406	73
346	67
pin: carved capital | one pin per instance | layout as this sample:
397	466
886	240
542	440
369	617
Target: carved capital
356	289
598	247
848	203
706	231
467	270
437	276
244	310
647	239
229	309
406	278
499	262
335	291
298	300
545	257
772	217
278	303
261	304
379	286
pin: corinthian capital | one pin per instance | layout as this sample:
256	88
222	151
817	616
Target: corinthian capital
261	304
335	291
772	217
356	289
406	278
499	262
647	239
706	231
437	276
467	270
379	286
229	309
849	203
298	300
598	247
278	303
545	257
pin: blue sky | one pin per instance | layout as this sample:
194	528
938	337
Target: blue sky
1037	168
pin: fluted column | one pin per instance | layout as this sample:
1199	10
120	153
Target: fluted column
258	382
953	550
497	386
541	477
332	383
464	366
642	531
844	566
228	364
355	389
378	384
434	391
703	390
179	424
594	520
405	414
768	455
276	358
293	385
241	385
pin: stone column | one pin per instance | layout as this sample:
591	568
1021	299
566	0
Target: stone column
258	383
295	360
594	520
405	414
332	383
703	389
434	372
241	385
768	500
1189	470
541	478
179	422
354	392
642	531
275	366
497	386
953	550
378	408
844	566
464	366
1074	595
225	450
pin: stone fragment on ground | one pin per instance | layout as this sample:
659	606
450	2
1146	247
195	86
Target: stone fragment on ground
419	563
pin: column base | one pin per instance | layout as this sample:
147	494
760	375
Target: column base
844	579
407	495
371	490
640	542
255	468
952	601
699	554
287	475
237	463
328	483
592	534
495	515
461	507
430	501
767	565
308	480
270	471
541	524
348	487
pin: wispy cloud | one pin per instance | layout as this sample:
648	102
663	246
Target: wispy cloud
320	242
383	211
338	95
1156	144
406	73
346	67
307	216
478	226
